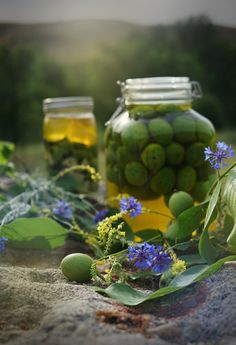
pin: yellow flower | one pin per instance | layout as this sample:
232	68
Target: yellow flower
178	267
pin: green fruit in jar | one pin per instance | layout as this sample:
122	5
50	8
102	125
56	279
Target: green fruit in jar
200	190
163	181
123	156
112	173
153	157
205	131
161	131
195	155
110	153
136	174
77	267
179	202
186	179
203	171
174	153
135	136
184	129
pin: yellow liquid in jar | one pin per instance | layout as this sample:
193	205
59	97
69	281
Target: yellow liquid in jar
80	130
146	220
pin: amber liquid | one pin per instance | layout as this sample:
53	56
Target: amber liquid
80	130
147	220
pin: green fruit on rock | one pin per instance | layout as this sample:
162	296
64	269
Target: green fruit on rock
179	202
135	136
153	157
136	174
205	131
77	267
195	154
163	182
174	153
184	129
186	179
161	131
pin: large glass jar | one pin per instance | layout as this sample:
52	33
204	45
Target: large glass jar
70	138
154	146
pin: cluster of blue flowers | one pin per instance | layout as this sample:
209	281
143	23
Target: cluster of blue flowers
149	257
62	209
3	241
130	205
216	158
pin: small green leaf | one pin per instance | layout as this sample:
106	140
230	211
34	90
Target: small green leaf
129	296
192	259
34	233
190	220
212	204
206	248
6	150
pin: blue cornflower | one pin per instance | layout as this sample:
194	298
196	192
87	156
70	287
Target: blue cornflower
62	210
216	158
130	205
101	215
141	255
3	241
161	261
147	256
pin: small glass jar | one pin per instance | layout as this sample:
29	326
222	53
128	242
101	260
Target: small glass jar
154	146
70	138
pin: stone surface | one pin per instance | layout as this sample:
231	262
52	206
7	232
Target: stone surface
38	306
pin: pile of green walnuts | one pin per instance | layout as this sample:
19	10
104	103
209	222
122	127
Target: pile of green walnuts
149	157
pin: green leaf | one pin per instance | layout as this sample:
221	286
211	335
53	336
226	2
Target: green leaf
129	296
212	204
229	196
192	259
34	233
190	220
206	248
148	234
6	150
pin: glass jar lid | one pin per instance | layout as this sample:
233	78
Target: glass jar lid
159	90
85	103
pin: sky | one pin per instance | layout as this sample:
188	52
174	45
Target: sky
222	12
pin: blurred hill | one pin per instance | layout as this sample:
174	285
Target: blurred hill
87	58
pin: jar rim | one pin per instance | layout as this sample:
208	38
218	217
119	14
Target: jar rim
84	102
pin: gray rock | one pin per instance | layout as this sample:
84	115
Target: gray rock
38	306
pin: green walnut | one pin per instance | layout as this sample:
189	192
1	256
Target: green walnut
77	267
153	157
200	190
186	179
184	129
135	136
195	155
205	131
110	153
163	181
123	156
112	172
174	153
161	131
203	171
179	202
136	174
